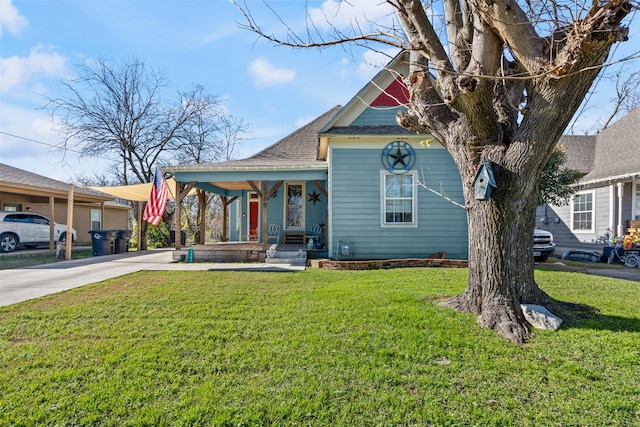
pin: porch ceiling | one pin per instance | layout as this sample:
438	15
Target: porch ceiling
232	185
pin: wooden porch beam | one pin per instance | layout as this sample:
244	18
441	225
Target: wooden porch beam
255	188
185	189
273	189
320	187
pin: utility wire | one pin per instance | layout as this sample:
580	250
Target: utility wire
50	145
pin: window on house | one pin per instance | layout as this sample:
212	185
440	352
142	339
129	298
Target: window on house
398	199
295	206
582	208
96	219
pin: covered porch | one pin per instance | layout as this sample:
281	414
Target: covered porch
285	253
271	200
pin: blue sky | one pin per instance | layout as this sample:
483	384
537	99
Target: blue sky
274	89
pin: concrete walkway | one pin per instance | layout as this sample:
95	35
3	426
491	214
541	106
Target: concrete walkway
22	284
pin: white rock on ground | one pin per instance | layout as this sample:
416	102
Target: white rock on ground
540	317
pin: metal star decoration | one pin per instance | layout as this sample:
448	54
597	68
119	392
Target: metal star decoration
399	157
314	197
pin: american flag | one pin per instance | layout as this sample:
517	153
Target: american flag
157	199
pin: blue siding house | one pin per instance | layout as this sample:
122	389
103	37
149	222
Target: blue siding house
353	180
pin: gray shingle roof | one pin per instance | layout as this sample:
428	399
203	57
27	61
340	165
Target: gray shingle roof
12	175
298	149
300	146
580	151
617	151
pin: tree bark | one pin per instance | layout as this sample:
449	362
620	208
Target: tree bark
500	263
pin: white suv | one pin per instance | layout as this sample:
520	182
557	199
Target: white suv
27	229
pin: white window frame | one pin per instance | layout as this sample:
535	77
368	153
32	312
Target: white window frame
593	212
383	200
99	220
303	190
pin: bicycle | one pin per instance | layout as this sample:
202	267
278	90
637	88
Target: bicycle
606	238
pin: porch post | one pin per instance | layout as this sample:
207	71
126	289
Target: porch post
69	240
177	233
181	192
620	194
202	198
52	215
226	201
139	206
612	209
265	222
225	218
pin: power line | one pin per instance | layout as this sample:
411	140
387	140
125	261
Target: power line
51	145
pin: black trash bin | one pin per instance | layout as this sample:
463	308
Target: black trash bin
183	237
122	241
102	241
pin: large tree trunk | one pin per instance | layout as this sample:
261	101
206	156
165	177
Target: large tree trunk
500	262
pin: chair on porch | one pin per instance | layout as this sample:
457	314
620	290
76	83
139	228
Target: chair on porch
273	232
317	234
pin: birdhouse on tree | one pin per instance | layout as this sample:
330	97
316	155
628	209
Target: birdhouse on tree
484	181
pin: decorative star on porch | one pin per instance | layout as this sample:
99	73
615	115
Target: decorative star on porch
314	197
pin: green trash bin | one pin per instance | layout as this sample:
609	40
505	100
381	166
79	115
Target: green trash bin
122	241
102	241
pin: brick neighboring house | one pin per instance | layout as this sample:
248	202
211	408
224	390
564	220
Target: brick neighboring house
609	193
24	191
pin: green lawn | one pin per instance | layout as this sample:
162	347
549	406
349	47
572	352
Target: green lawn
328	348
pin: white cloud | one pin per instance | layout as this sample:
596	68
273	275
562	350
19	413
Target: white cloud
374	61
344	15
10	18
16	71
27	143
266	74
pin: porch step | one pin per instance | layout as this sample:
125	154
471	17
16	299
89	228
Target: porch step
290	261
295	257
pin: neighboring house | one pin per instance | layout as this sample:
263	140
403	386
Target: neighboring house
609	193
369	188
21	190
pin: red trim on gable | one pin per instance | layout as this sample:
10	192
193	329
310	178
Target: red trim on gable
394	95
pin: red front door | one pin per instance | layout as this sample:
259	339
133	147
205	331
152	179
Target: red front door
254	206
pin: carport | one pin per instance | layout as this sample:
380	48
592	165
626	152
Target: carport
19	189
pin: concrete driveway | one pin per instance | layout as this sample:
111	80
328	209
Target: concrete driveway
22	284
